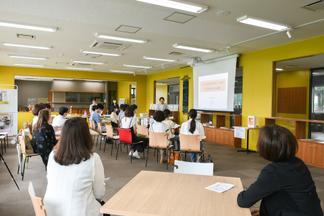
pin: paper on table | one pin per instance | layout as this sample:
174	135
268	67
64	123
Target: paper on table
220	187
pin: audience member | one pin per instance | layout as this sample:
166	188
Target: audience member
60	119
285	186
193	127
75	174
43	136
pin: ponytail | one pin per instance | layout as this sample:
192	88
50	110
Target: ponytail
193	115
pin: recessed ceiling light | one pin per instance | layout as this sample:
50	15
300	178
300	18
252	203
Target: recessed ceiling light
26	46
191	48
179	5
29	65
90	63
115	38
78	68
100	53
28	57
279	69
29	27
122	71
158	59
262	23
137	66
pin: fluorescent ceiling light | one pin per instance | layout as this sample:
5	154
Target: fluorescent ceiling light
26	46
29	27
90	63
29	65
137	66
191	48
27	57
262	23
115	38
158	59
122	71
78	68
100	53
279	69
179	5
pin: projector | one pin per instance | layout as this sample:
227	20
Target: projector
193	61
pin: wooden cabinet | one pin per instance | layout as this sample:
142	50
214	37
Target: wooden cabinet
311	152
221	136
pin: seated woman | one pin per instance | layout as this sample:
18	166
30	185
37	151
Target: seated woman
114	117
174	132
35	111
129	121
285	186
43	136
193	127
60	119
75	174
159	126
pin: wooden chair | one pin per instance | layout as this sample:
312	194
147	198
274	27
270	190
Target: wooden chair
125	137
111	136
158	141
142	131
25	155
93	132
190	144
37	202
193	168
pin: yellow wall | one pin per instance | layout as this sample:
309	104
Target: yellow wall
7	76
294	79
291	79
179	72
123	90
258	78
161	91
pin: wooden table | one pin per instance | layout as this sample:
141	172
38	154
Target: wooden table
170	194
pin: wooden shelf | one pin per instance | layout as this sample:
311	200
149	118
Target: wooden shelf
221	136
310	151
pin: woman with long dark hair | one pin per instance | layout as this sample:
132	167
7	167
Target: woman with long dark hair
75	174
43	136
285	186
193	127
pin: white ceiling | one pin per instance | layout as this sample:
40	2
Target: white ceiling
306	63
79	20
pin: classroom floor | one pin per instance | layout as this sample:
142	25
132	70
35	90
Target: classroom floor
228	162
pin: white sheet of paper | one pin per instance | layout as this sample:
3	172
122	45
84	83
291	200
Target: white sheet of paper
220	187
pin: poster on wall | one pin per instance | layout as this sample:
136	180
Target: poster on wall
9	111
3	97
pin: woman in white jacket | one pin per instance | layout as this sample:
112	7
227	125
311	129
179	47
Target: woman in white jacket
75	174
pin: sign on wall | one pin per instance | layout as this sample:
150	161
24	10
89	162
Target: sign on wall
9	110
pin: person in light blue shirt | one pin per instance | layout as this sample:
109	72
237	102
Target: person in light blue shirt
96	115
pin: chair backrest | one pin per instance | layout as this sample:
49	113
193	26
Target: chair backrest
22	144
109	131
92	125
38	204
189	143
193	168
125	135
158	139
142	130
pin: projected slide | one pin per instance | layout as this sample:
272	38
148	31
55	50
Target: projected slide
214	84
213	91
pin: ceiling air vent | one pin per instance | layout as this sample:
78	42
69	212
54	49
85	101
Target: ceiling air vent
26	36
81	65
315	6
174	53
109	46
